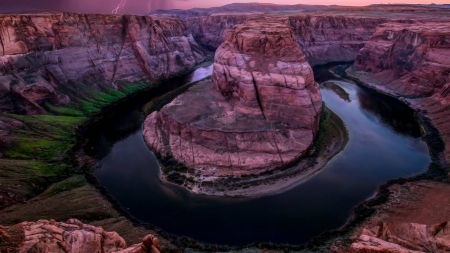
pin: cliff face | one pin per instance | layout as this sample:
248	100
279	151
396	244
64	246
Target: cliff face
411	61
261	110
211	31
323	38
326	39
42	56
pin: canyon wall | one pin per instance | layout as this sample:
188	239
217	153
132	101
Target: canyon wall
51	56
260	111
411	61
323	38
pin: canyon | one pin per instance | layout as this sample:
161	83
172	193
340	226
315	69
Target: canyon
62	58
411	62
55	66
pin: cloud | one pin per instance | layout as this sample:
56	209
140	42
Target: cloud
85	6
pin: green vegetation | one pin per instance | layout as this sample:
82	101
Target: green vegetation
38	154
331	128
65	185
338	90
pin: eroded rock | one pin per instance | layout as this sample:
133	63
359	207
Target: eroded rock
52	57
260	110
412	61
70	237
403	238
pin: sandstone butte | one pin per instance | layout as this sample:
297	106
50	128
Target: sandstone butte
260	111
71	237
54	57
411	61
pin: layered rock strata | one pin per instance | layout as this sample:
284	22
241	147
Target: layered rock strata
322	38
260	110
403	238
70	237
44	56
411	61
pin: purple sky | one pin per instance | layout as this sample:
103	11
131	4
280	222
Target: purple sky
142	6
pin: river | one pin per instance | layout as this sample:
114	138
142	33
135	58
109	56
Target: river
384	143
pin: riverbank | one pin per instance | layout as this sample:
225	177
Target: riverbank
45	169
329	142
421	199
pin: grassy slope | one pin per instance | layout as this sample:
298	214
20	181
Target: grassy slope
39	176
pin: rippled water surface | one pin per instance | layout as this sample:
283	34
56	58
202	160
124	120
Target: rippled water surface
384	143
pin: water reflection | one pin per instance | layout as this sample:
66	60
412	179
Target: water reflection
380	148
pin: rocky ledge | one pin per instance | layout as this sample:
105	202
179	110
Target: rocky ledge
70	237
403	238
260	110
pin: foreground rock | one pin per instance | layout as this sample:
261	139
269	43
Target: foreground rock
260	110
71	237
411	61
403	238
61	57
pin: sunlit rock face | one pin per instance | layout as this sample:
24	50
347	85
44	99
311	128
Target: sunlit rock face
49	57
260	110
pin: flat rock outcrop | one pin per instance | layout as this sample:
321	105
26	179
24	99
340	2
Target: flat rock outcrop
70	237
260	111
411	61
49	56
403	238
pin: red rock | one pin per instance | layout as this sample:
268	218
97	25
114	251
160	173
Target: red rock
41	55
323	38
260	110
70	237
403	238
411	61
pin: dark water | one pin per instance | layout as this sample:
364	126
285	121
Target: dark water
384	144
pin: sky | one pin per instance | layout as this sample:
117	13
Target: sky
142	6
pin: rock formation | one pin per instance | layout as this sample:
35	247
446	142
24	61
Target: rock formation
70	237
322	38
44	56
403	238
260	110
411	61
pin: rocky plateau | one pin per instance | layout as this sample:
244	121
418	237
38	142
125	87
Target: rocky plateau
260	111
